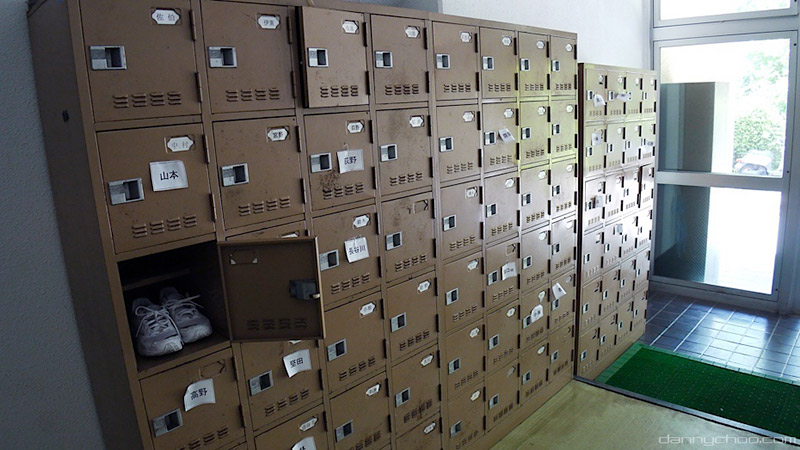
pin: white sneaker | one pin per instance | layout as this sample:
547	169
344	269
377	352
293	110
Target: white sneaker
192	325
156	332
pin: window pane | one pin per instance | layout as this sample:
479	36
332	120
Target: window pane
723	107
719	236
681	9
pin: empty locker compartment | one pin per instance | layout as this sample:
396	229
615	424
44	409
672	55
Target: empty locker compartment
644	234
462	218
594	148
633	108
534	133
455	51
502	278
157	185
646	185
587	364
563	295
630	230
502	198
595	84
533	365
415	391
289	231
592	249
348	253
466	419
534	65
563	66
627	278
502	335
360	416
563	128
408	236
464	354
404	150
612	208
611	285
140	59
616	144
642	270
606	336
612	237
462	285
647	144
564	241
561	348
498	63
594	197
459	142
425	436
589	310
500	135
308	430
649	94
259	167
195	403
280	378
411	312
535	257
334	57
534	313
617	94
249	56
340	160
534	196
354	344
563	187
501	394
630	190
400	58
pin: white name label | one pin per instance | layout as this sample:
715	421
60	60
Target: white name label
269	22
472	265
598	100
374	390
475	395
427	360
199	393
537	313
299	361
369	308
168	175
356	249
506	135
509	270
166	16
558	291
474	332
361	221
468	116
423	286
350	160
180	144
278	134
308	424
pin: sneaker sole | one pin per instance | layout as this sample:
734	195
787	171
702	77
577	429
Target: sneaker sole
164	347
195	333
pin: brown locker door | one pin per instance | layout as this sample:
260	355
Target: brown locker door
411	312
408	235
502	334
535	196
456	57
591	299
459	142
594	150
502	198
647	184
587	354
564	244
612	236
648	139
168	395
533	365
259	166
534	132
563	187
563	293
645	222
502	279
535	256
415	390
498	63
248	56
466	417
562	345
563	128
334	57
535	313
308	430
404	150
400	58
340	159
617	94
650	94
353	347
627	277
501	394
346	269
633	108
500	135
462	286
272	289
606	336
140	59
157	185
610	290
563	66
612	208
630	190
360	416
615	146
639	312
288	231
595	99
425	436
625	318
464	353
592	250
630	229
594	197
642	270
534	65
273	391
462	218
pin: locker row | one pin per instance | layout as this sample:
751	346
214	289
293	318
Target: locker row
613	94
614	196
614	147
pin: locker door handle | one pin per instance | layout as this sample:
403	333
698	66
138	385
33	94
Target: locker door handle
222	57
108	57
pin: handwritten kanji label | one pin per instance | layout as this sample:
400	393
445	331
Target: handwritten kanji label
506	135
537	313
599	100
269	22
180	144
361	221
509	270
299	361
168	175
305	444
558	291
356	249
199	393
350	160
166	16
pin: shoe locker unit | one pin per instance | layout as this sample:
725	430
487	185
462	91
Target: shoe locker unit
377	208
618	137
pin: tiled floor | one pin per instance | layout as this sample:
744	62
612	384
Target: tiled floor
745	340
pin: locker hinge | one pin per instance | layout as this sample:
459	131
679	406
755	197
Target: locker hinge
205	148
294	84
369	86
369	124
434	248
430	126
319	377
483	233
516	82
548	49
439	388
518	158
428	82
477	44
199	83
380	266
193	24
548	81
516	46
303	189
430	162
374	178
378	227
385	349
235	370
390	423
575	50
436	286
437	323
289	30
213	207
299	138
516	116
366	40
241	414
425	38
549	148
478	122
480	157
477	81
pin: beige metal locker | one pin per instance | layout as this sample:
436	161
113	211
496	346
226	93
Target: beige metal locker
592	249
564	240
591	299
498	63
535	313
631	158
307	430
630	190
534	196
466	418
535	257
501	394
587	364
649	94
502	335
534	131
360	416
462	218
425	436
633	108
611	286
607	333
594	198
411	312
400	58
595	97
563	187
534	65
642	270
612	208
616	94
644	234
459	142
288	231
561	349
563	66
533	365
612	236
404	150
563	292
646	185
594	147
465	355
639	311
563	128
500	135
502	198
462	289
627	278
616	143
630	230
502	276
455	49
415	391
648	138
408	236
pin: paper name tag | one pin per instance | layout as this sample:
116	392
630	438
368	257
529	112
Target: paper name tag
506	135
558	291
350	160
199	393
597	138
509	270
361	221
168	175
299	361
180	144
599	100
537	313
356	249
166	16
305	444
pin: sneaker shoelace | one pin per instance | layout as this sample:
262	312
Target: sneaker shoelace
154	320
183	308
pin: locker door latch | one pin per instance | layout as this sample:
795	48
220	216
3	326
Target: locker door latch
108	57
317	57
235	175
446	144
394	240
442	61
383	60
524	64
488	63
388	152
556	65
125	191
222	57
166	423
304	289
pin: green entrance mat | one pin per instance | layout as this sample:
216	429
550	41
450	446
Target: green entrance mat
756	400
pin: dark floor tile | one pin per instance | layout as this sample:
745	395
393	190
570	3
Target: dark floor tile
793	371
667	342
734	329
794	360
689	346
767	364
778	348
783	339
725	336
710	322
705	331
744	361
717	353
758	334
753	341
657	321
699	338
789	323
720	313
675	308
747	350
724	345
683	326
774	356
649	337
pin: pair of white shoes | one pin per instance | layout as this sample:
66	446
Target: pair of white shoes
165	328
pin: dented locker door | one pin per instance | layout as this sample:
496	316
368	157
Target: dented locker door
425	436
498	63
630	190
464	353
462	285
501	394
563	66
354	345
502	335
592	250
415	391
360	416
627	278
630	229
501	206
411	312
563	187
595	84
616	95
564	244
646	185
612	237
340	159
259	167
591	298
462	218
500	135
642	270
140	59
248	56
594	197
561	348
607	333
612	208
534	65
455	51
459	142
563	128
400	59
615	146
563	295
157	188
408	236
594	148
644	235
633	108
404	150
587	365
536	252
534	313
288	231
334	57
168	395
649	94
502	278
534	196
534	133
466	419
280	378
647	144
308	430
533	365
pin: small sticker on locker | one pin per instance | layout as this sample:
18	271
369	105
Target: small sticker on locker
168	175
537	313
471	192
350	27
350	160
308	424
299	361
511	312
416	121
558	291
599	100
412	32
426	360
474	332
508	113
506	40
424	286
305	444
361	221
506	136
541	349
509	270
510	183
374	390
542	174
475	395
180	144
269	22
277	134
431	426
199	393
465	36
367	309
356	249
166	16
472	265
355	127
468	116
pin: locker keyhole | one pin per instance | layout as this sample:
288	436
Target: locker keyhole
526	133
491	210
261	383
556	65
168	422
